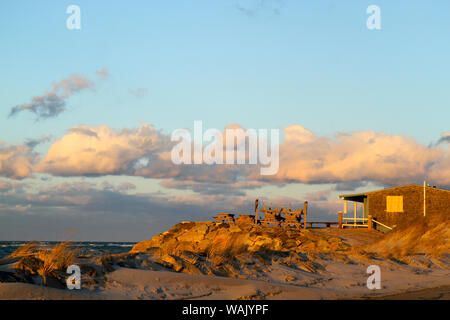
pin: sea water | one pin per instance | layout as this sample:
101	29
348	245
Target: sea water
84	247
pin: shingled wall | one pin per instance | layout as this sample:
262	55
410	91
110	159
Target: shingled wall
437	201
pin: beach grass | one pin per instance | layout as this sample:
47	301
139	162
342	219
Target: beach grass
55	258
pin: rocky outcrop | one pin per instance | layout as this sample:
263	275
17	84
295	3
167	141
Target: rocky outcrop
238	251
202	237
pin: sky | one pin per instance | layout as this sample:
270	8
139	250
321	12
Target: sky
87	114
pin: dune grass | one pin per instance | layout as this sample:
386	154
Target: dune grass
429	235
58	257
28	249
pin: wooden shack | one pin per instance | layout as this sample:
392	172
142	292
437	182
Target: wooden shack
395	206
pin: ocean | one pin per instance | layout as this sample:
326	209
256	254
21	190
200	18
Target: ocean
85	247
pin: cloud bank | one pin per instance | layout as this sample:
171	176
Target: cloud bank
349	160
346	159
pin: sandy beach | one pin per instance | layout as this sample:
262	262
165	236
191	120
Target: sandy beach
142	284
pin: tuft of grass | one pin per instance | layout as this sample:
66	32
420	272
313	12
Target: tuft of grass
58	257
28	249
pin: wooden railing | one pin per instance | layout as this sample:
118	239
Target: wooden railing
382	224
356	222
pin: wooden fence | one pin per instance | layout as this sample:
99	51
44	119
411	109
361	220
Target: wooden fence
283	216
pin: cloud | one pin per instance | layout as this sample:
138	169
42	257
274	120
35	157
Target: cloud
6	186
350	160
96	151
146	152
16	161
95	210
211	188
123	187
318	195
445	137
139	92
35	142
83	131
252	8
358	156
102	73
350	185
53	102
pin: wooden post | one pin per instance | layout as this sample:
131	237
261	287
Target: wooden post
424	198
256	211
369	223
305	211
340	219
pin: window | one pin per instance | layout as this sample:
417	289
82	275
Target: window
394	203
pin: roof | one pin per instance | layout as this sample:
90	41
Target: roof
359	197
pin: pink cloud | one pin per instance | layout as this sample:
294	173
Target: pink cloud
100	150
364	155
16	161
304	158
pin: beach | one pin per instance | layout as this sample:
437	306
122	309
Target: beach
158	285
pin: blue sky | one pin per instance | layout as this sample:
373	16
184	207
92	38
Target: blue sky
262	64
315	63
